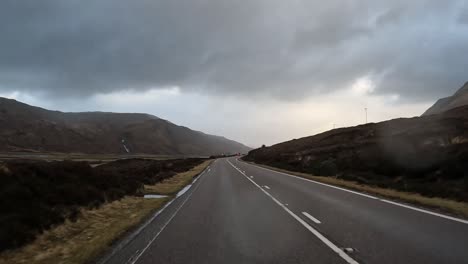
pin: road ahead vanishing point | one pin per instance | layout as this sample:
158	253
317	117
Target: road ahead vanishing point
240	213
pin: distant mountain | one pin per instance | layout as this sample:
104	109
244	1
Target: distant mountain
28	128
460	98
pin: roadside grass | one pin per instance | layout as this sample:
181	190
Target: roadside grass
3	168
92	158
38	195
172	185
440	204
83	240
95	230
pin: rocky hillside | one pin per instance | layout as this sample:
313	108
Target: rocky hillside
27	128
460	98
428	154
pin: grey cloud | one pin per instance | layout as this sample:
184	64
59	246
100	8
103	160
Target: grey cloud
463	15
285	49
390	16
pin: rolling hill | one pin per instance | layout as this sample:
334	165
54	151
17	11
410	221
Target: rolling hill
427	155
25	128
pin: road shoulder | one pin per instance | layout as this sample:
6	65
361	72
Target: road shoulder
97	230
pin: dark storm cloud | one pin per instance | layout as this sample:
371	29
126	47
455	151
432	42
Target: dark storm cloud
286	49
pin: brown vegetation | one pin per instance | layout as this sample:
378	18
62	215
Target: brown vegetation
81	241
36	195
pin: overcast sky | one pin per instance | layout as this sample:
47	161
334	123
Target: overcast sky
259	71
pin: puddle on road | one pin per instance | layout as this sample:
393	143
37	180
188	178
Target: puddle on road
154	196
185	189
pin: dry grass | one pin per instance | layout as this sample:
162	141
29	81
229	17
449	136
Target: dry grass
82	241
81	156
174	184
3	168
445	205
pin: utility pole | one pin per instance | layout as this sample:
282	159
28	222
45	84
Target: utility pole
365	110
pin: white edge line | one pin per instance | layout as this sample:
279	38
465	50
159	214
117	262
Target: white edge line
134	234
315	220
327	242
426	211
372	197
320	183
164	226
126	241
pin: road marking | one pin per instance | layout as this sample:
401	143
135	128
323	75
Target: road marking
196	179
373	197
164	226
324	184
251	177
325	240
426	211
130	237
315	220
266	187
184	190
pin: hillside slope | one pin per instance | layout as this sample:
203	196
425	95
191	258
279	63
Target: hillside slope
428	155
460	98
28	128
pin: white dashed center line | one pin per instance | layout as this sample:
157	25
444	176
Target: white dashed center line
327	242
266	187
315	220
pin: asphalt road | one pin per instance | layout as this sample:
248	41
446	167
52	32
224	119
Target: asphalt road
239	213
